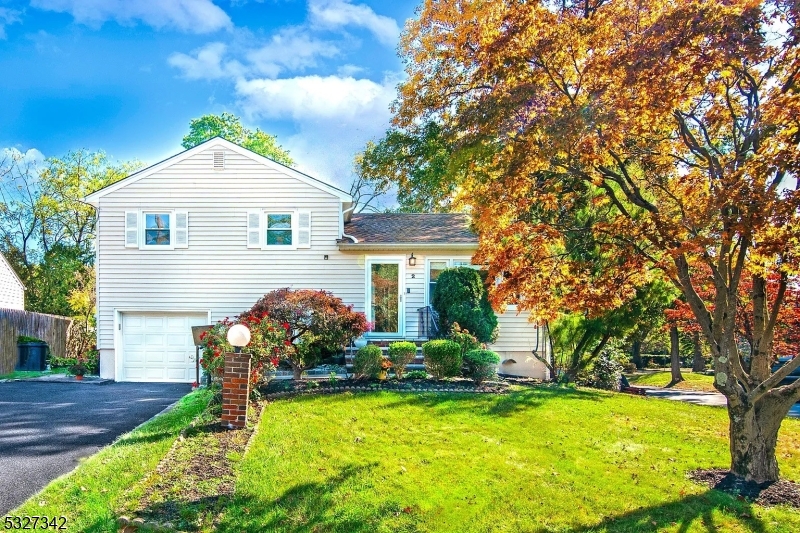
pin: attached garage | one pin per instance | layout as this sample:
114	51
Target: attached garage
158	346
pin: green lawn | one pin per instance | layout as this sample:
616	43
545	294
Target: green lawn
699	382
89	495
24	374
544	459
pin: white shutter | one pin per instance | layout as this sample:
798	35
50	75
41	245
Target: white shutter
181	229
254	229
131	229
304	229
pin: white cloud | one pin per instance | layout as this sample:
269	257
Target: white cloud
193	16
315	97
291	48
334	14
334	117
206	63
7	17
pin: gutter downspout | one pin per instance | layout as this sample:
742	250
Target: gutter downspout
355	241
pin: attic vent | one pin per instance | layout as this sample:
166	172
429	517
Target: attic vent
219	160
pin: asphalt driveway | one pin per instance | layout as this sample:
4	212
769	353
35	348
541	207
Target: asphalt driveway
46	428
702	398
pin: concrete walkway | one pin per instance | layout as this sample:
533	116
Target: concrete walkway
714	399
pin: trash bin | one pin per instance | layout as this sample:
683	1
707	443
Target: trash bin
32	356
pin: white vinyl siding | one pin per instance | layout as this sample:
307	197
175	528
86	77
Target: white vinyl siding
217	271
12	293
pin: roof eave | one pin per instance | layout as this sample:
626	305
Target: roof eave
370	246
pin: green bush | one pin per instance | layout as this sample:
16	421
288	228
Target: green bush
401	354
605	373
460	296
442	358
481	364
462	336
416	374
24	339
367	362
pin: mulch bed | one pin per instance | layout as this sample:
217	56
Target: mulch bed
195	481
278	388
783	492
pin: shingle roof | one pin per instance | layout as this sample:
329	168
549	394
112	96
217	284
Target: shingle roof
415	228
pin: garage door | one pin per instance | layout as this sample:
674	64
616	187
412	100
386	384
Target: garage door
158	346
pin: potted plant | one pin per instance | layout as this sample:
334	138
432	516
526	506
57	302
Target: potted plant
78	370
361	341
385	366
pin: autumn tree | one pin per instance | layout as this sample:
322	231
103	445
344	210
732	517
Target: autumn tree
229	127
680	118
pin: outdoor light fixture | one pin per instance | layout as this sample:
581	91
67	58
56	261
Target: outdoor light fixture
412	261
238	336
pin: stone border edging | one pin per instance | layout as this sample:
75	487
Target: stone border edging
375	388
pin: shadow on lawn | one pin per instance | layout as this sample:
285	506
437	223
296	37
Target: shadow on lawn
684	514
495	404
305	507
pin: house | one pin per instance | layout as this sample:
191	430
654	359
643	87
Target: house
12	291
204	234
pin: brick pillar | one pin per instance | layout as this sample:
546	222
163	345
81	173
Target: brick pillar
235	389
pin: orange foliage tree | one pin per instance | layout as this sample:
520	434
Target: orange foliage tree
679	120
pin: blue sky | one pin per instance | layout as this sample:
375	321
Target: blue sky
127	76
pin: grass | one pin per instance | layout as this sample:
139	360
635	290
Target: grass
696	382
545	459
88	495
27	374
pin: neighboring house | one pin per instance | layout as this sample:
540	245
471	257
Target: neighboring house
204	234
12	291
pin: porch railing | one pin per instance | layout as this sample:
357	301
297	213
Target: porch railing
428	322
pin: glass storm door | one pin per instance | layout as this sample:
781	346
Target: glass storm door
384	298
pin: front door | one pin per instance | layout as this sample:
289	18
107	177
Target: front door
385	297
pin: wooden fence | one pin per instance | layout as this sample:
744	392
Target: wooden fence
51	329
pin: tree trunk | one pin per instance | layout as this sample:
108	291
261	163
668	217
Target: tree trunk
636	354
297	372
675	356
754	435
698	363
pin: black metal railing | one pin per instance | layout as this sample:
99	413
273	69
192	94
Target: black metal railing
428	322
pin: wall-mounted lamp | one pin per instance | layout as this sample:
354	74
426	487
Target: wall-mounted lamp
412	261
238	336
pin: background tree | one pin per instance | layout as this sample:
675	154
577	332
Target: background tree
229	127
679	118
419	164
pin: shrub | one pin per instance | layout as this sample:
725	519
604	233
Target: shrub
442	358
606	374
368	361
267	345
460	296
416	374
401	354
317	322
481	364
464	338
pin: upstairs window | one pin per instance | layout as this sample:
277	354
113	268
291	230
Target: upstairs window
157	229
275	230
279	229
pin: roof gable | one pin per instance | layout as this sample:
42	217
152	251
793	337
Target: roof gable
7	266
94	197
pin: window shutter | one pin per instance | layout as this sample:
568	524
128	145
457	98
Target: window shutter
181	229
254	229
131	229
304	229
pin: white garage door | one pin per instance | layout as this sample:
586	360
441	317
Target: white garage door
158	346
